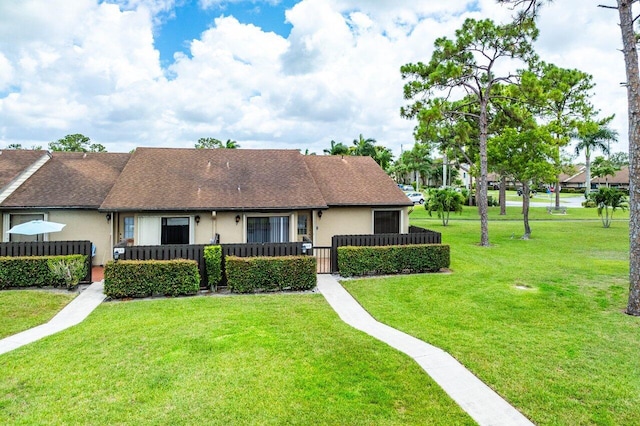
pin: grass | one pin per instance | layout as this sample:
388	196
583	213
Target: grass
249	360
540	321
24	309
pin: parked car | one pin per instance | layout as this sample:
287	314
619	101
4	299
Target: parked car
405	187
416	197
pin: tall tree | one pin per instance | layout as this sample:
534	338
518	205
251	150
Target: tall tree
14	146
363	147
630	53
76	143
231	144
591	136
208	143
337	148
470	62
619	159
384	157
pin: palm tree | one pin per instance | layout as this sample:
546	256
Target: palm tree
337	148
231	144
593	135
364	147
383	157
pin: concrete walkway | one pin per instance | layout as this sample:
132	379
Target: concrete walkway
74	313
484	405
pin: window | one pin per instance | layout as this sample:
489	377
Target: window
17	219
386	222
302	224
175	230
274	229
128	227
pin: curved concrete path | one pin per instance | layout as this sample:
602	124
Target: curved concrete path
484	405
74	313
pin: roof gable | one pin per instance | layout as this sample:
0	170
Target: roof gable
70	179
14	162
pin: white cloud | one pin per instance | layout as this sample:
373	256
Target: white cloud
89	67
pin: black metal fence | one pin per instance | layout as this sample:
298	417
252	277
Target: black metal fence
49	248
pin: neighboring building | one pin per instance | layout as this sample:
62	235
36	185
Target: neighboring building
192	196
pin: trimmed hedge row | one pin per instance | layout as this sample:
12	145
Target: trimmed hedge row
381	260
144	278
213	262
34	271
249	274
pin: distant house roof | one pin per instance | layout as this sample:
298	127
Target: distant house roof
15	161
621	177
70	179
353	181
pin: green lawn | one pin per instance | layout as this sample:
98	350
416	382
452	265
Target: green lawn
24	309
540	321
245	360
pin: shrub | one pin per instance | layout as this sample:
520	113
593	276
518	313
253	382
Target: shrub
144	278
378	260
213	262
34	271
69	270
249	274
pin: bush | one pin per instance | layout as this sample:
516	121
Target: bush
249	274
144	278
69	270
213	262
34	271
379	260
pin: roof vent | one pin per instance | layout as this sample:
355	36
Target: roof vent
85	155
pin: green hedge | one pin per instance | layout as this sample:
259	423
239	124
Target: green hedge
34	271
213	262
379	260
249	274
144	278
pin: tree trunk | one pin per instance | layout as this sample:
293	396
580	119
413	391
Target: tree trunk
483	207
503	196
587	171
471	191
633	98
525	210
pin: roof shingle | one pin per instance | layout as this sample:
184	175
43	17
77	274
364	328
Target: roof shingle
15	161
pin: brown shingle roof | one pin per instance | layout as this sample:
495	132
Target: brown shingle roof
621	177
352	181
214	179
15	161
70	179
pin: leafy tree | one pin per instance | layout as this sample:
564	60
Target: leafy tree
602	168
416	161
337	148
14	146
384	157
213	143
443	202
528	154
608	198
363	147
76	143
593	135
619	159
561	97
208	143
470	62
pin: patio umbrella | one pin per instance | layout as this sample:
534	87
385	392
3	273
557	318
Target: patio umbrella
36	227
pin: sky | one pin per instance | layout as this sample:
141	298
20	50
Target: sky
266	73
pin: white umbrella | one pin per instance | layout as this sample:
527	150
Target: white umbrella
36	227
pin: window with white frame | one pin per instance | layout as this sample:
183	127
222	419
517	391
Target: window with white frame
271	229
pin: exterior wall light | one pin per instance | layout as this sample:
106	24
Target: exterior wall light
238	218
108	216
197	219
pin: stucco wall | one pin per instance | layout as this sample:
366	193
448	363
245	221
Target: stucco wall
80	225
349	221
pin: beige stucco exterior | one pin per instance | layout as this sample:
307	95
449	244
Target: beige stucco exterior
80	225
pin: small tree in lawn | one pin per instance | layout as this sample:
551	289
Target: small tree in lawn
608	201
444	201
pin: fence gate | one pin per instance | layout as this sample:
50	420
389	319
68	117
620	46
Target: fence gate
323	259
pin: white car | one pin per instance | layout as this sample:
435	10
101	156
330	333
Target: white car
416	197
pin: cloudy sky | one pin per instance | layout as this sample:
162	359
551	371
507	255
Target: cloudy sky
267	73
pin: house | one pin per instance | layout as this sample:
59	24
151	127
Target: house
68	188
195	196
577	179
